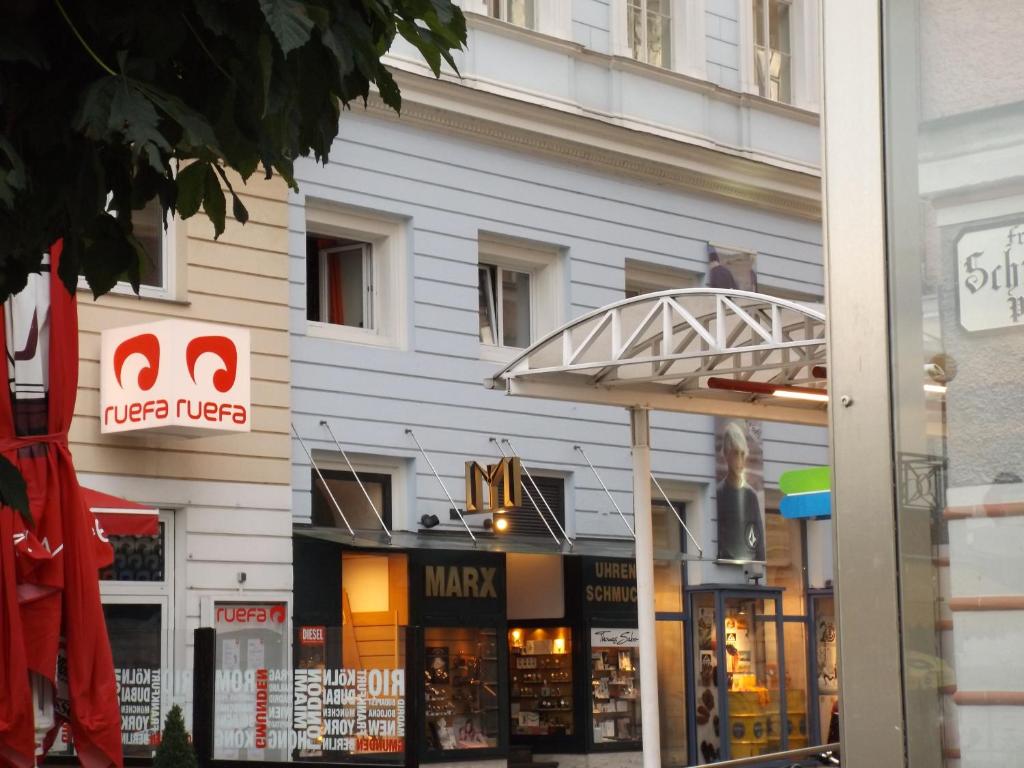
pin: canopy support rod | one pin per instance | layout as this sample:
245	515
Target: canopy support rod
320	474
441	483
672	506
547	506
530	495
325	425
607	492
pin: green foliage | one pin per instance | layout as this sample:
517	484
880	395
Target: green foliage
175	750
108	104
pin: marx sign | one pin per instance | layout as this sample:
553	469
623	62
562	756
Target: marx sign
990	277
176	377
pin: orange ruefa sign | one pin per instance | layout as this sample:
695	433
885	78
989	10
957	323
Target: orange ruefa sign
175	376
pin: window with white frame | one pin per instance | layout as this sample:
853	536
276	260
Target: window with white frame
643	277
505	313
649	31
518	291
339	281
773	50
355	275
522	13
156	275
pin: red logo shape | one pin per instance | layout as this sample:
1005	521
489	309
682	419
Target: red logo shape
221	346
148	346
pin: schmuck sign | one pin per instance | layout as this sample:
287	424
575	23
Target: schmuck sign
175	377
990	278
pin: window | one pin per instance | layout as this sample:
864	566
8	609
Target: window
137	597
644	278
649	31
339	281
356	275
504	306
520	294
155	274
524	520
772	49
353	502
522	13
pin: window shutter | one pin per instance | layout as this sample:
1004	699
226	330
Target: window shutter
524	521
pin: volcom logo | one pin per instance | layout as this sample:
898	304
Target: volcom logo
148	346
221	346
751	536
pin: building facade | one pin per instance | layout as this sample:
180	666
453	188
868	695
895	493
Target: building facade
587	152
223	501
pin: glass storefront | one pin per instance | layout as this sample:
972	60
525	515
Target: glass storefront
461	688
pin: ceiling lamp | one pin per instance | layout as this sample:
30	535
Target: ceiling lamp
809	394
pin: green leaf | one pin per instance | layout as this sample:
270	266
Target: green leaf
13	491
265	56
239	211
289	22
389	89
191	183
213	202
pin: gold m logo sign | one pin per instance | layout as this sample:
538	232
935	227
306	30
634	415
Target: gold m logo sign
504	487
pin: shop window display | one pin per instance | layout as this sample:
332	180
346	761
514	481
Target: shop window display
540	672
752	679
615	685
460	688
707	712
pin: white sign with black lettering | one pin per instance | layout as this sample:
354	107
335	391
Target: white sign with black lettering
990	278
618	638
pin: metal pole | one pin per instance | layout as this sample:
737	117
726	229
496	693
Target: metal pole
441	482
323	423
530	496
614	503
651	723
672	506
534	483
319	474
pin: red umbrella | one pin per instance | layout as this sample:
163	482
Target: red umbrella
55	628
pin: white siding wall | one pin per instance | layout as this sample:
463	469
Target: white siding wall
448	190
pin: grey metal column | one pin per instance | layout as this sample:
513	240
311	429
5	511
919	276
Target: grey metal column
871	695
644	535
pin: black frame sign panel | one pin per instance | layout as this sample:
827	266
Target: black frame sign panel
468	585
459	591
608	601
609	586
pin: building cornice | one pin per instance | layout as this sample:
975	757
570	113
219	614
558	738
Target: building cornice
609	147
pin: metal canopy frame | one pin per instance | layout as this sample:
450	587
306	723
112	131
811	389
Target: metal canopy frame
658	350
665	351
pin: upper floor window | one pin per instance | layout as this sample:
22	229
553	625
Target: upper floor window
155	271
504	306
522	13
772	49
644	278
356	275
649	31
519	294
339	281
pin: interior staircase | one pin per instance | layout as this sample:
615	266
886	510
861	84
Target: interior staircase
522	757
